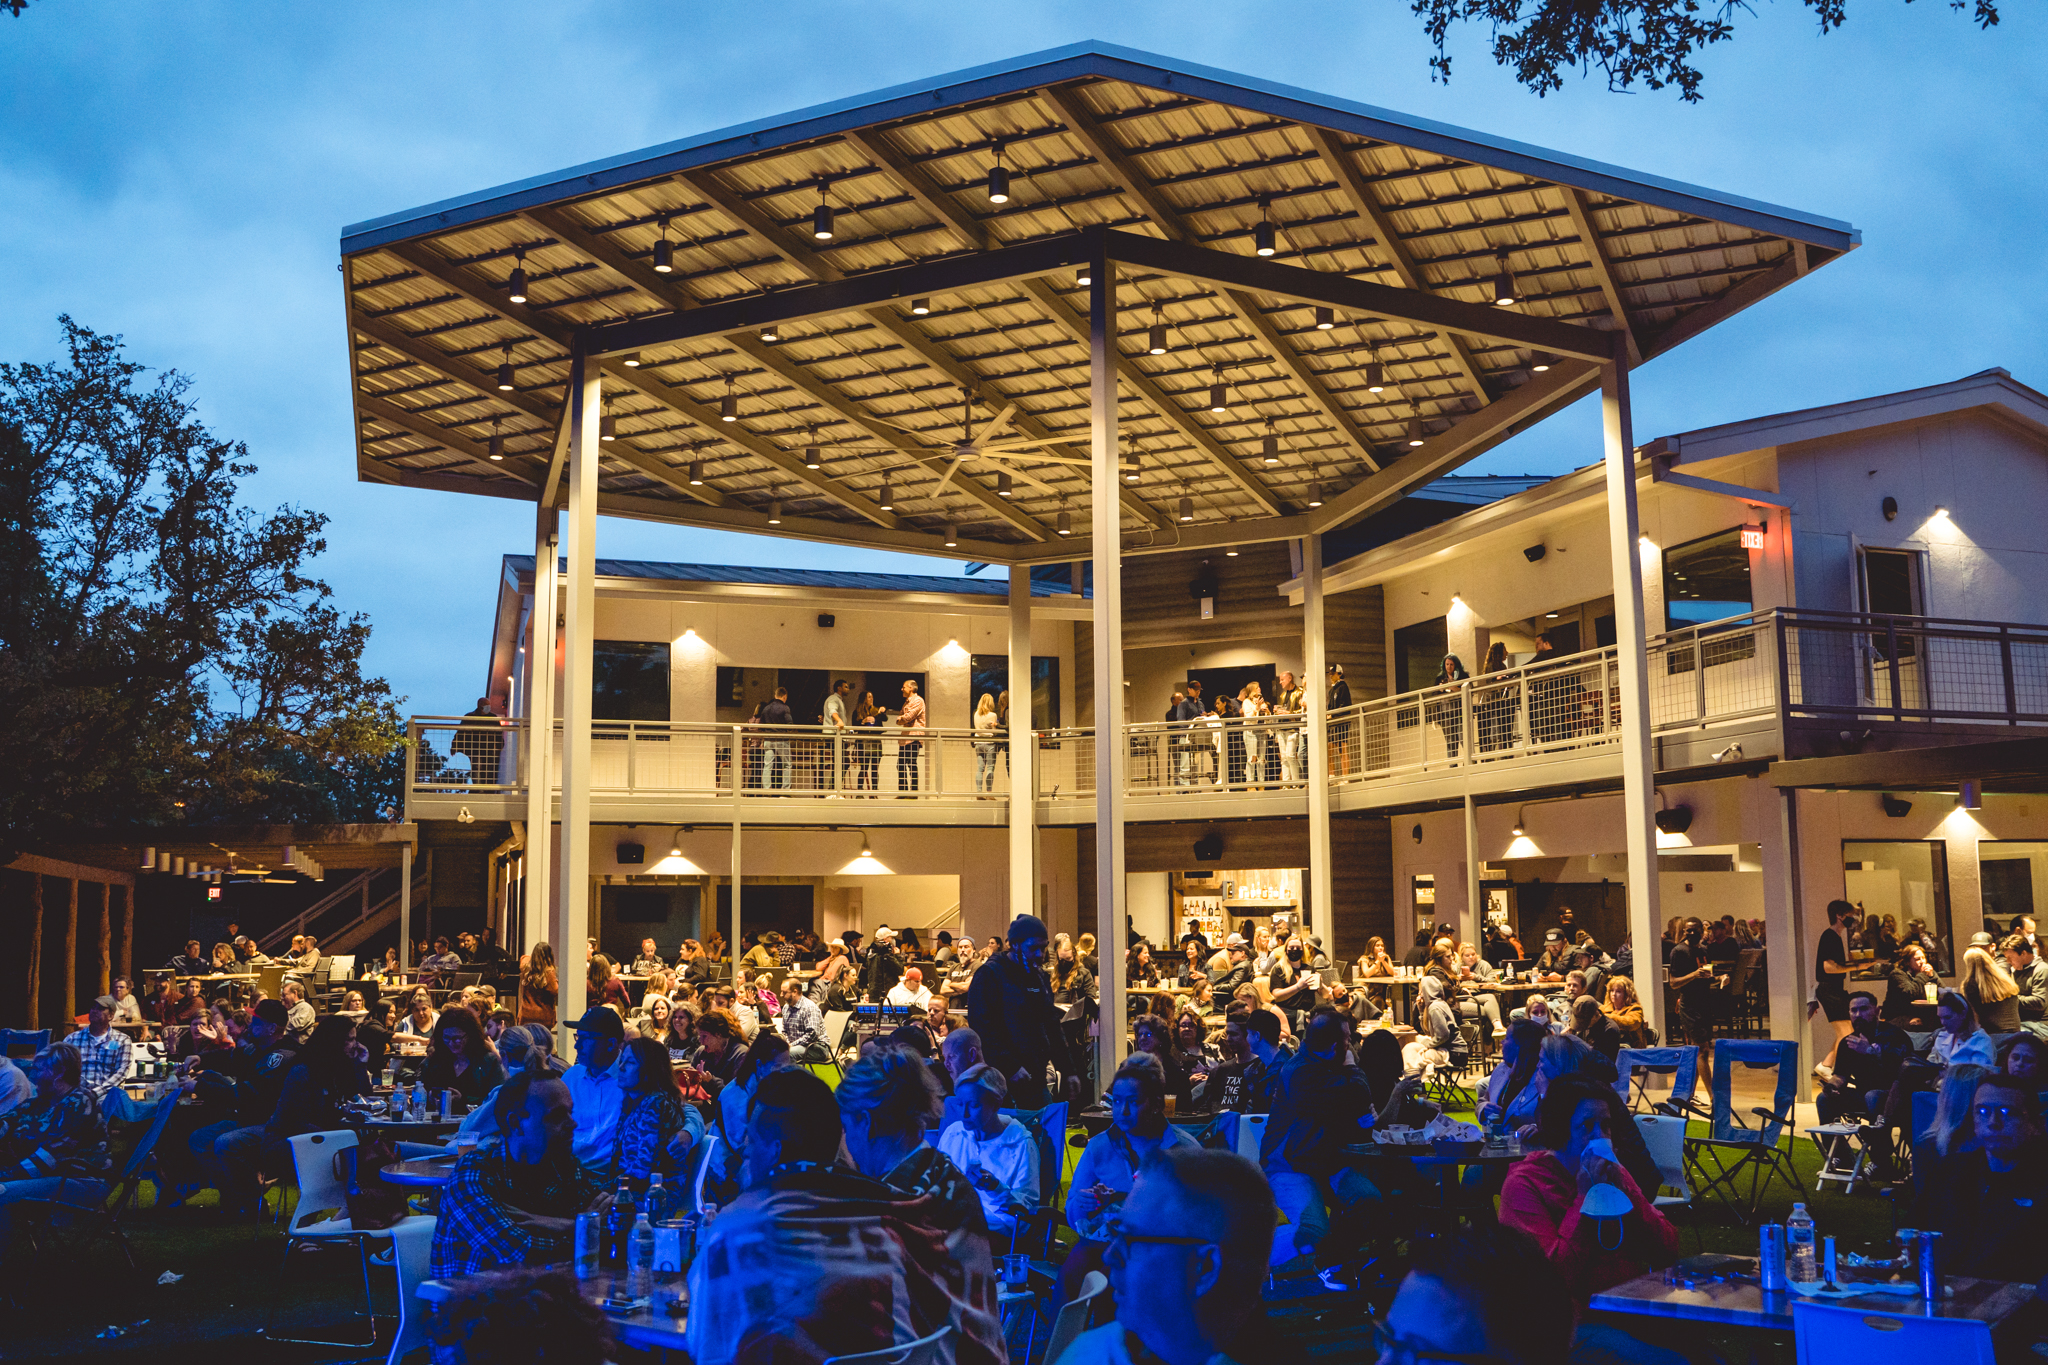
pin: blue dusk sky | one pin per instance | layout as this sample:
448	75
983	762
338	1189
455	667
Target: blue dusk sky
180	174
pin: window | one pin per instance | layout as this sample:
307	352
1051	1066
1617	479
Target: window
991	677
1419	653
629	680
1906	880
1706	580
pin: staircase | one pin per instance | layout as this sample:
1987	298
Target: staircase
349	914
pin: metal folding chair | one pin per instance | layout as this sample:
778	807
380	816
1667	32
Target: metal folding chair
1719	1162
58	1229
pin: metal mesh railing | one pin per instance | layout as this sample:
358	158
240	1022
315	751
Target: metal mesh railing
1235	754
1856	666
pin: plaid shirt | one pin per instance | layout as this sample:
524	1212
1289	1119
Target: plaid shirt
103	1062
488	1213
55	1137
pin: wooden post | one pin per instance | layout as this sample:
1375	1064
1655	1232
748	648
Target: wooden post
35	950
106	961
127	955
70	952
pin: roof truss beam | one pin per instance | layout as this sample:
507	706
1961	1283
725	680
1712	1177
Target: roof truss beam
1581	210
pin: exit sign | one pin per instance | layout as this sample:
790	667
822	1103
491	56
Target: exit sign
213	893
1752	537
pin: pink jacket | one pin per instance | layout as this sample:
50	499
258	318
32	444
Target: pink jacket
1541	1198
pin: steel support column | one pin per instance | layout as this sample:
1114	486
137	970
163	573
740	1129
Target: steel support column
1639	788
1023	752
738	785
1315	689
1472	924
572	897
540	736
1111	757
1784	973
405	904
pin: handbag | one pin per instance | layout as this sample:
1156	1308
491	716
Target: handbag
372	1204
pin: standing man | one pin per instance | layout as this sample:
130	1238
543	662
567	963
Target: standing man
1010	1008
1339	697
478	740
775	748
838	719
1692	976
911	721
104	1052
1188	712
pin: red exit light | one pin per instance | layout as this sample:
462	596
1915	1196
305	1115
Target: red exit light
1752	537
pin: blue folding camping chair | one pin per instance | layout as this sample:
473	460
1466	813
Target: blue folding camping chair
1719	1162
1632	1065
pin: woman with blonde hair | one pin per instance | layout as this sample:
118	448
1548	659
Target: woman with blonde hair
1991	991
985	748
1625	1008
1253	710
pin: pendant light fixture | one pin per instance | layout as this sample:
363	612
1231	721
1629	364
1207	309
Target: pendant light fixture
1185	509
775	512
1133	470
1157	343
1085	276
631	360
1541	361
696	473
952	535
729	406
813	457
497	448
505	384
1326	319
866	865
821	217
515	288
1375	377
1003	489
1065	524
998	178
1414	431
1230	552
771	333
1315	494
1270	447
887	501
664	250
607	425
1505	294
1219	393
1262	235
920	307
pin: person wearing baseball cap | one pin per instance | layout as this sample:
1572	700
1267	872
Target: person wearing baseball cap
594	1084
104	1052
884	967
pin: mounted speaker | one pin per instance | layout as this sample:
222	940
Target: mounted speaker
631	855
1677	820
1209	848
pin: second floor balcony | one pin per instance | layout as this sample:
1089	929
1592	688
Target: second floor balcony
1775	684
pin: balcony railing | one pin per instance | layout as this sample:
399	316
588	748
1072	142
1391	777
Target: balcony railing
1744	673
453	754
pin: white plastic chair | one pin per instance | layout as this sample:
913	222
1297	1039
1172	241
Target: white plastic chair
1251	1135
1077	1315
321	1192
412	1243
711	1145
923	1351
1665	1137
1823	1334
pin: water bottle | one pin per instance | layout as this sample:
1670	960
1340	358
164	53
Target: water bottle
419	1101
640	1259
618	1227
660	1204
1802	1266
589	1246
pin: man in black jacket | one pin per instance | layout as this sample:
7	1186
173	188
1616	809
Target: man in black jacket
1866	1066
256	1073
2030	973
1318	1102
1010	1006
883	968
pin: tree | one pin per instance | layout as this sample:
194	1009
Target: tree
164	655
1651	41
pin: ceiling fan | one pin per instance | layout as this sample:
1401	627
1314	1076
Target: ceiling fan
986	445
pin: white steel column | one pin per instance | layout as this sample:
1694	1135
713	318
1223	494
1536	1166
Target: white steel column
539	747
1315	688
738	785
1472	924
1783	972
1023	752
572	910
1639	788
1111	758
404	904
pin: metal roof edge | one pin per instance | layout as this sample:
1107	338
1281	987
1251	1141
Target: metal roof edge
1782	428
1092	58
520	567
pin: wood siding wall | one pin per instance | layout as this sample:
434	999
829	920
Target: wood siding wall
1361	883
1355	635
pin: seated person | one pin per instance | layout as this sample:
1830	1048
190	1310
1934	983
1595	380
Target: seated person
326	1072
1321	1102
440	966
516	1203
105	1052
654	1121
1582	1126
16	1089
1483	1293
857	1264
460	1058
910	990
1436	1028
126	1009
648	962
2026	1058
1592	1027
1184	1262
515	1317
594	1087
192	962
250	1081
1102	1177
1959	1039
803	1023
54	1146
1154	1035
1514	1090
1867	1063
995	1152
1625	1008
299	1014
525	1047
888	1100
1905	1000
1991	1204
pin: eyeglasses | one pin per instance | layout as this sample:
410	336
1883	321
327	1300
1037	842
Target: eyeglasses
2004	1113
1392	1350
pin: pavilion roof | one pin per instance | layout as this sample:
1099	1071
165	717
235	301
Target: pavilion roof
1097	139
